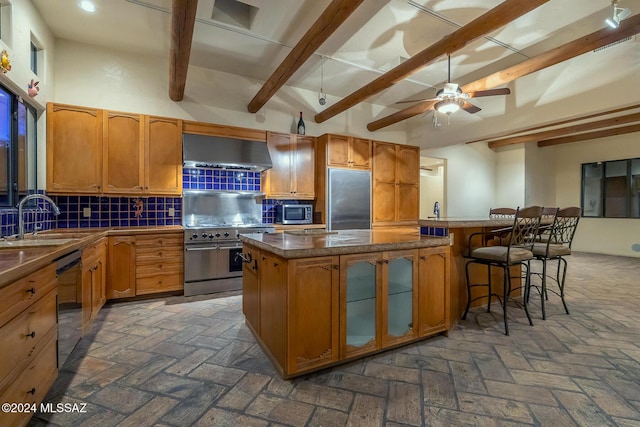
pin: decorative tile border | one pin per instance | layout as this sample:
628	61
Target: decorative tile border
434	231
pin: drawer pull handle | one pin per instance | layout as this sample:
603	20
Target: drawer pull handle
32	334
32	391
32	291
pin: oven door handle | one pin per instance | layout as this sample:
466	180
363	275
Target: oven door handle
222	248
200	248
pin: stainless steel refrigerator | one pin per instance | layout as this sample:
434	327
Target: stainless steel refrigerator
348	199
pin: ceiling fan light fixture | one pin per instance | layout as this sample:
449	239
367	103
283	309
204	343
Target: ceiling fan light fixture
448	106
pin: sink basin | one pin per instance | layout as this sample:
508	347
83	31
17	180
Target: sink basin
32	243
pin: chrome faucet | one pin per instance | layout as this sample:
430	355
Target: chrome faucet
56	210
436	209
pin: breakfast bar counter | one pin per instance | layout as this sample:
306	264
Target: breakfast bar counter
314	298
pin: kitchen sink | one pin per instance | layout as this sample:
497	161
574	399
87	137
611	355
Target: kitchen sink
33	243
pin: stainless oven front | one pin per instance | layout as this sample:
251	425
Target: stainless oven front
212	267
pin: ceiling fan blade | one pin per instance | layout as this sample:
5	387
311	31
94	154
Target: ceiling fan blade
470	108
490	92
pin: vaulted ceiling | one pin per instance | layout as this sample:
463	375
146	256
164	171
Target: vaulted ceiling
252	38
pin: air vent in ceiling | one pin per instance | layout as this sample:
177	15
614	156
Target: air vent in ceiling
630	38
234	12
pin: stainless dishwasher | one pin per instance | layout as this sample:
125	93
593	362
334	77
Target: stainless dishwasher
69	275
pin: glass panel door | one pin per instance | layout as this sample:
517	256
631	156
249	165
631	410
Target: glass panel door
361	304
400	297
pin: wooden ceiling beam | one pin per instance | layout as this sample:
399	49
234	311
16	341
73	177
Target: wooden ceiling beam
548	134
329	21
498	137
629	27
590	135
499	16
183	19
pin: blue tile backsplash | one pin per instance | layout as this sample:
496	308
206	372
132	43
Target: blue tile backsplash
135	211
220	179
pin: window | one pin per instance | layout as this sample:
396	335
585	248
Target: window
34	58
17	149
611	189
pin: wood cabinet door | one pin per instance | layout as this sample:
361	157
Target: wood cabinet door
384	202
338	151
304	167
251	287
360	304
88	264
408	202
408	164
273	297
361	153
121	280
163	155
384	162
313	322
74	149
101	274
279	178
399	296
433	291
123	153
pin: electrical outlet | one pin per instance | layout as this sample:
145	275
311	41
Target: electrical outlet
86	212
172	212
450	239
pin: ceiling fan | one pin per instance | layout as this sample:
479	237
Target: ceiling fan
450	98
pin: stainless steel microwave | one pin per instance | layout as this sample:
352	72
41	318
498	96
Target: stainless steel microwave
294	214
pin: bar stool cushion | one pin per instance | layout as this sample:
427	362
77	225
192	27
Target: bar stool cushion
499	253
555	250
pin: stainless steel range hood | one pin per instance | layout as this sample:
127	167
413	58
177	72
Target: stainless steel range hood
226	153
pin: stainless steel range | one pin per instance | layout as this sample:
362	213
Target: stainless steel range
213	222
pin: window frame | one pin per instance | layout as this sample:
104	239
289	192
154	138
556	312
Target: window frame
33	54
629	199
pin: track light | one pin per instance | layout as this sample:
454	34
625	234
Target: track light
618	14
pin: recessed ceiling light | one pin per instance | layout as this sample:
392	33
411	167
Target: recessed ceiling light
87	6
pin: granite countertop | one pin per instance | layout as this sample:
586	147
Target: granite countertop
289	245
20	261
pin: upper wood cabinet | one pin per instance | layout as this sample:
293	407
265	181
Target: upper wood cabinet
396	184
346	151
123	153
74	149
293	172
163	155
100	151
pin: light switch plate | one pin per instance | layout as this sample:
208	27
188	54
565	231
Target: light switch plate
86	212
172	212
450	239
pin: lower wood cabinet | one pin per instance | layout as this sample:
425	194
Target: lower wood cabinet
121	281
310	313
28	336
94	282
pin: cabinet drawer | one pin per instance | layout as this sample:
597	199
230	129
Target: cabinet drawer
159	241
23	333
32	384
159	283
159	254
24	292
158	267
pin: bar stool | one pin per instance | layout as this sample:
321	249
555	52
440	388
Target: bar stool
554	243
518	251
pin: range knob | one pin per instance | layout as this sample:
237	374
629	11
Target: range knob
226	234
217	234
210	236
237	235
195	235
204	235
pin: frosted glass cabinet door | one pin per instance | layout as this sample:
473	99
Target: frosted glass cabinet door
359	304
399	282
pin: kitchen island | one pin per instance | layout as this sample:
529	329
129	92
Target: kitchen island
318	298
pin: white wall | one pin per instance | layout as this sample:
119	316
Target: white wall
510	177
540	175
614	236
470	179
